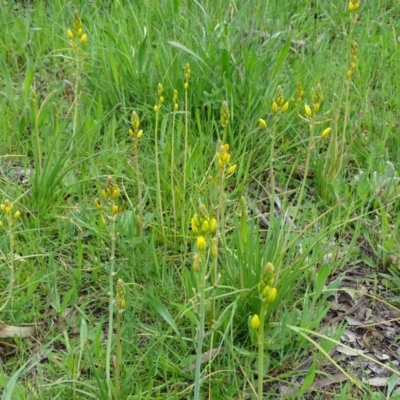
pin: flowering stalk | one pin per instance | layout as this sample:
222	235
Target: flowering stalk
76	38
175	109
157	111
110	194
186	149
267	292
136	134
120	303
6	208
203	227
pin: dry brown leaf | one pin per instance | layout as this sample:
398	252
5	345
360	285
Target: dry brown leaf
7	331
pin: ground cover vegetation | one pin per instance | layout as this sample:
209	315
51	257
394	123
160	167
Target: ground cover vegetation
199	199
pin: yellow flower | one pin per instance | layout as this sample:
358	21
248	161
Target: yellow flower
262	123
231	169
213	225
205	227
139	134
285	107
114	209
269	294
255	322
186	86
201	243
156	108
307	109
80	32
17	214
326	132
84	38
70	34
348	74
316	107
275	107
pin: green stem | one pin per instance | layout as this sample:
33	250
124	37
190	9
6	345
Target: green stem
111	304
139	185
172	172
158	175
200	339
11	239
260	360
119	357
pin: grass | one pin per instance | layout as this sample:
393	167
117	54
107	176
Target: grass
183	325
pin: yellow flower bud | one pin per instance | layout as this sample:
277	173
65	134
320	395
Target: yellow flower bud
307	109
231	169
262	123
97	204
348	74
194	221
205	227
115	193
156	108
80	32
220	163
84	38
326	132
186	86
201	243
122	305
114	209
70	35
17	214
351	6
275	107
255	322
213	225
353	65
162	99
176	106
139	134
285	107
269	294
316	107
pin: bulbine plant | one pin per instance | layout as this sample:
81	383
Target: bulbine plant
77	40
108	215
136	133
11	217
267	292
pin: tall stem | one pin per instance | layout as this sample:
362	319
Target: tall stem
111	304
158	176
200	339
261	351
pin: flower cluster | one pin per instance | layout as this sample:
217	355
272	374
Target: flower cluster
266	286
76	33
203	226
120	298
279	104
354	5
135	132
223	158
110	194
161	99
202	223
316	100
7	208
354	51
175	100
225	114
187	76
